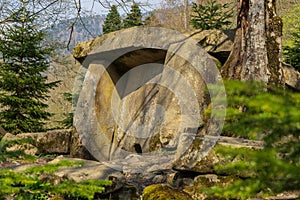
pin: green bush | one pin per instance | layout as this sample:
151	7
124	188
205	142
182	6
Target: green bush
269	114
28	185
113	21
23	81
292	53
134	18
291	36
13	154
211	15
261	172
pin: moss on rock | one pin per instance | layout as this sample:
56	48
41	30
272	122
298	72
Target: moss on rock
202	182
163	192
155	143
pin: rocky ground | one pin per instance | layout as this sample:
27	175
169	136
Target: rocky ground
133	176
132	183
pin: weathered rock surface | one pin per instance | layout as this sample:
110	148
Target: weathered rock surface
127	105
77	149
158	191
216	42
65	142
197	160
292	77
213	41
206	181
90	170
123	109
51	142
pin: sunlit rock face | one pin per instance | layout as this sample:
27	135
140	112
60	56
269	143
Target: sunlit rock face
142	88
292	77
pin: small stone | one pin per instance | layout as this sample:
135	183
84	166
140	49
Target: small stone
172	178
159	179
187	181
209	177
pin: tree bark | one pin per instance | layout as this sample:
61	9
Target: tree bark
186	14
256	53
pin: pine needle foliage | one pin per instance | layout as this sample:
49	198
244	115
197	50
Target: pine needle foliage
28	185
291	36
211	15
261	173
23	86
67	122
113	21
13	154
269	114
292	53
134	18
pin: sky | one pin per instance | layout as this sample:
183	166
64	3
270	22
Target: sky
98	9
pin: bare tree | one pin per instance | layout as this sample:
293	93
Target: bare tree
172	14
57	11
49	11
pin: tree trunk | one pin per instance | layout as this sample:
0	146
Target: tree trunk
186	14
256	53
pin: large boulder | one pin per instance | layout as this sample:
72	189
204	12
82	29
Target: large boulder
62	142
218	43
194	159
51	142
77	149
142	88
292	77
